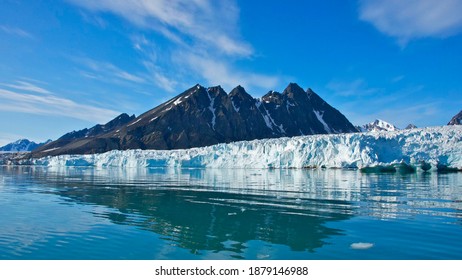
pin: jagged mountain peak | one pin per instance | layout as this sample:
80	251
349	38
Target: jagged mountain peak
194	92
215	88
120	119
239	93
293	90
239	90
217	91
293	87
99	128
378	125
22	145
239	87
410	126
22	140
191	90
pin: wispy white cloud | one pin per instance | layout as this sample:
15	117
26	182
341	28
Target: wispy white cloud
51	105
397	79
184	64
157	74
204	37
94	19
109	73
16	31
357	87
211	22
219	73
412	19
106	72
164	81
129	77
27	86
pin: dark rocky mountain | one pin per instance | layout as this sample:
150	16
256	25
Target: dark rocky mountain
206	116
98	129
456	120
410	126
22	145
84	139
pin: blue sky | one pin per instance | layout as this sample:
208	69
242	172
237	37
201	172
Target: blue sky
66	65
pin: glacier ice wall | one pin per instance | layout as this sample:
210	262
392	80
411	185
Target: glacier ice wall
433	147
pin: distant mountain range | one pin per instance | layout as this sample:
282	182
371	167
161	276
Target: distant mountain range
380	125
456	120
22	145
410	126
377	125
205	116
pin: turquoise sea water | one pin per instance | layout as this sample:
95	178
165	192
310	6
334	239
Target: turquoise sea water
89	213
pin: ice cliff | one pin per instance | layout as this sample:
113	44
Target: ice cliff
422	149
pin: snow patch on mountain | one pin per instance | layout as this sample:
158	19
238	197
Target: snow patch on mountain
426	148
378	125
212	109
321	120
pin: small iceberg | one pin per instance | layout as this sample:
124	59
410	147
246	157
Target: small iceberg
361	246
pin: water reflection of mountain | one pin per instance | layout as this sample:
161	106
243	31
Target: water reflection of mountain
201	210
224	210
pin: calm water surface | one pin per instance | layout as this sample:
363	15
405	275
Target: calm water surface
89	213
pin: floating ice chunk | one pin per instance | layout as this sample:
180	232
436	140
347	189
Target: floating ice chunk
263	256
361	246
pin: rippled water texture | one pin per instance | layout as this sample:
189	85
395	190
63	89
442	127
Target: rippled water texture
75	213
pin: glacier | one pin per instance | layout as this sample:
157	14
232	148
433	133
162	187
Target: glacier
433	148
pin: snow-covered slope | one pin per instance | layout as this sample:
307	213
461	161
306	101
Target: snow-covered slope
378	125
437	147
22	145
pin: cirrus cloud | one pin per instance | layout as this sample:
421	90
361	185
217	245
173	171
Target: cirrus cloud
15	31
203	41
213	23
52	105
219	73
413	19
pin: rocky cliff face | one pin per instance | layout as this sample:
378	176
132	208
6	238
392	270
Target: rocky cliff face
456	120
206	116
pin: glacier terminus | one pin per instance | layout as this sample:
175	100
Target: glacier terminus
424	149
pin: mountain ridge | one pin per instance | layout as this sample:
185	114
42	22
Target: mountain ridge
22	145
377	125
203	116
456	120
